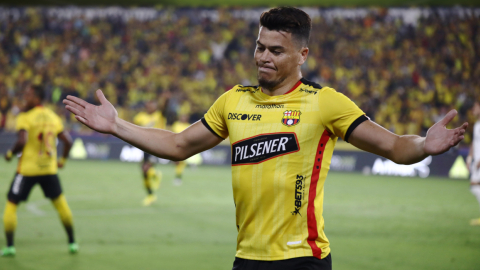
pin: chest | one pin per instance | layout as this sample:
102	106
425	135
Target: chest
264	129
286	114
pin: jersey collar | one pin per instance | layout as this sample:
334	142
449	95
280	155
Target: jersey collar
294	87
289	91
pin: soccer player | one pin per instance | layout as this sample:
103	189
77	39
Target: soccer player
473	160
178	127
282	134
150	118
38	128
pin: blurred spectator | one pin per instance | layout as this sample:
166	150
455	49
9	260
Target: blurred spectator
404	75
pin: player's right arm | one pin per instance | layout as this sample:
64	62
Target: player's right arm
18	146
161	143
65	137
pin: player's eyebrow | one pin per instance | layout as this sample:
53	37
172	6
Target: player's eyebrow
271	48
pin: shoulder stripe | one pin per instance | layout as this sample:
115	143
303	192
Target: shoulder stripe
354	125
307	82
204	122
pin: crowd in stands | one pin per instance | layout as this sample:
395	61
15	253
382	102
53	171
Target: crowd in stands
404	76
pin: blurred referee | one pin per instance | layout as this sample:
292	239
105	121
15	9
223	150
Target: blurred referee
282	133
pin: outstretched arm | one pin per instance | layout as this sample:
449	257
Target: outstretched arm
159	142
407	149
65	137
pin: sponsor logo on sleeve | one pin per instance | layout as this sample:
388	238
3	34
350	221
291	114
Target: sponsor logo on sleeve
252	90
306	91
291	118
263	147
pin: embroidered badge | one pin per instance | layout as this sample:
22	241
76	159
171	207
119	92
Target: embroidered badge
291	118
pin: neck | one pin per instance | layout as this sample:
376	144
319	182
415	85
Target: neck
28	108
284	86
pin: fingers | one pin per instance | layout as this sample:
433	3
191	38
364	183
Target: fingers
101	97
77	100
81	120
75	111
73	107
450	115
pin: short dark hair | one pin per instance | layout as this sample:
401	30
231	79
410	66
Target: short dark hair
288	19
39	91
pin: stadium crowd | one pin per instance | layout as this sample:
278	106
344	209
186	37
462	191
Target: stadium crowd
404	76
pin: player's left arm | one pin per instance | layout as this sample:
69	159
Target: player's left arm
65	137
407	149
18	146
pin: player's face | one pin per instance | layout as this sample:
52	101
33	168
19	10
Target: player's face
29	98
277	57
151	107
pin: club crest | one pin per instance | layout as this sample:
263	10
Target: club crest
291	118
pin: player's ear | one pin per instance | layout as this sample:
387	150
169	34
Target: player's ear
303	55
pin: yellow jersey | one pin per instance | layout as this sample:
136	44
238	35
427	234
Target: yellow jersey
154	120
281	152
178	126
39	155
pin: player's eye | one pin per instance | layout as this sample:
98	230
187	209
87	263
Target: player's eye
260	49
276	53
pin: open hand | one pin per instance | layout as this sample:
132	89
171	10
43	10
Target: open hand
100	118
439	139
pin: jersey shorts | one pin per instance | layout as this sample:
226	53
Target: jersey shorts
22	185
303	263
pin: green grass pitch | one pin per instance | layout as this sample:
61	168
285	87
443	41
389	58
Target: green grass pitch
372	222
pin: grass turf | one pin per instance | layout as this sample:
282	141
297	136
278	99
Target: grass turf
372	222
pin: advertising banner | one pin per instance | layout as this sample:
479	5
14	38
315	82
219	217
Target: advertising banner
103	147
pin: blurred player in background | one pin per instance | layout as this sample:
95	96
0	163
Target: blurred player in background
38	128
178	127
282	133
151	118
473	159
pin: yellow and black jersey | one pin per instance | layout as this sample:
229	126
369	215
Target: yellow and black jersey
281	152
154	120
39	155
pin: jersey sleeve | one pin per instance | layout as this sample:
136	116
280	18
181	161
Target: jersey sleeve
137	119
214	119
339	114
22	122
161	122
